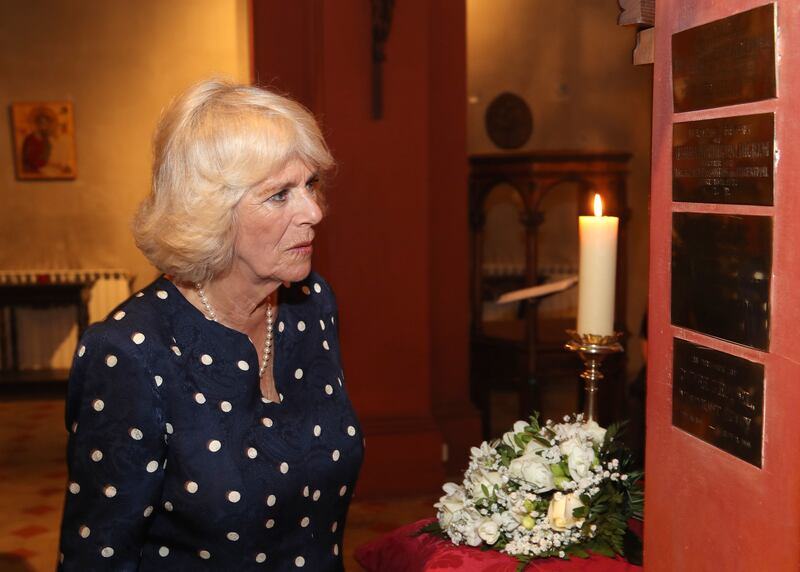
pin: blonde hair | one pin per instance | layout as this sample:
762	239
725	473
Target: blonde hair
214	143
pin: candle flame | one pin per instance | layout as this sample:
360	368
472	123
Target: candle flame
598	205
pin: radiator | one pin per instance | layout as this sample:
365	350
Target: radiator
46	337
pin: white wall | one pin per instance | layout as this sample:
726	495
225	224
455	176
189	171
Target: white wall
119	62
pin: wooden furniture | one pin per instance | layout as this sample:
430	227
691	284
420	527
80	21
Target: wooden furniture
522	352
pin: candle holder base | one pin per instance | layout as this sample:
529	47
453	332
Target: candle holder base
592	349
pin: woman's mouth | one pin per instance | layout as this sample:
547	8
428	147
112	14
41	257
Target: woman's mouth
302	249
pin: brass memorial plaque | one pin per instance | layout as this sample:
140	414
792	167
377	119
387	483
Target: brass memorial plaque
719	398
721	272
728	160
725	62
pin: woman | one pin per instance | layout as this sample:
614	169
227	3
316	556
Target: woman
209	424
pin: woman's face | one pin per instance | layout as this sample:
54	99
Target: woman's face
275	226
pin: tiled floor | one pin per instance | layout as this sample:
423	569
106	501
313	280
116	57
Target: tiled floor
33	477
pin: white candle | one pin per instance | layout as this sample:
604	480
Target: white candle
598	271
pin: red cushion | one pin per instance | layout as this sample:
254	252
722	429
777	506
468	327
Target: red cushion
401	551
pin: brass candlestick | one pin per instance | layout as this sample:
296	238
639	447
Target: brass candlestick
592	349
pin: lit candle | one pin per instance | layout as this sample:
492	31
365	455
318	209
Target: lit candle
598	271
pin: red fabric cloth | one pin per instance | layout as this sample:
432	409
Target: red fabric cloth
401	551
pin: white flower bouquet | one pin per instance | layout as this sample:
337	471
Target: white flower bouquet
557	490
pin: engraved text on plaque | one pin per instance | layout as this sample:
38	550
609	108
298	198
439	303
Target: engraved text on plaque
728	160
719	398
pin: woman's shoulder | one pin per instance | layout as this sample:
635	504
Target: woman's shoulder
145	313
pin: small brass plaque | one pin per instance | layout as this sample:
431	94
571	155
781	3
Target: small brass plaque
719	398
725	62
721	273
728	160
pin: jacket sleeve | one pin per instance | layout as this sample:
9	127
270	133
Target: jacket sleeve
115	453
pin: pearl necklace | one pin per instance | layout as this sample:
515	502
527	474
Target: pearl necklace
267	339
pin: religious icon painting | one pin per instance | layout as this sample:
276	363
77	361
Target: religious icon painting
44	140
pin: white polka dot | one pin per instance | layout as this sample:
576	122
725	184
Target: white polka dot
243	365
271	500
280	397
168	506
317	430
74	488
119	315
84	531
137	338
351	431
233	496
98	405
204	554
206	359
252	453
306	290
199	398
336	549
81	351
214	445
163	552
332	320
298	373
265	400
329	389
152	466
304	522
191	487
334	526
322	324
325	344
232	536
317	494
164	464
266	421
139	294
162	294
301	325
110	491
61	557
270	523
176	351
159	380
343	490
135	433
97	455
111	360
148	511
261	557
107	552
74	426
306	491
299	561
317	287
339	379
335	455
284	468
225	406
281	326
169	428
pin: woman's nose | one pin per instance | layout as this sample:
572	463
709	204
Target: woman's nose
310	211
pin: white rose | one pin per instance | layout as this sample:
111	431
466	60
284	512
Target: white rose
480	479
533	469
559	513
580	461
488	531
450	504
520	426
534	447
595	432
567	446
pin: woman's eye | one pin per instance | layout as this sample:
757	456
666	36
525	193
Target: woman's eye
280	196
312	184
